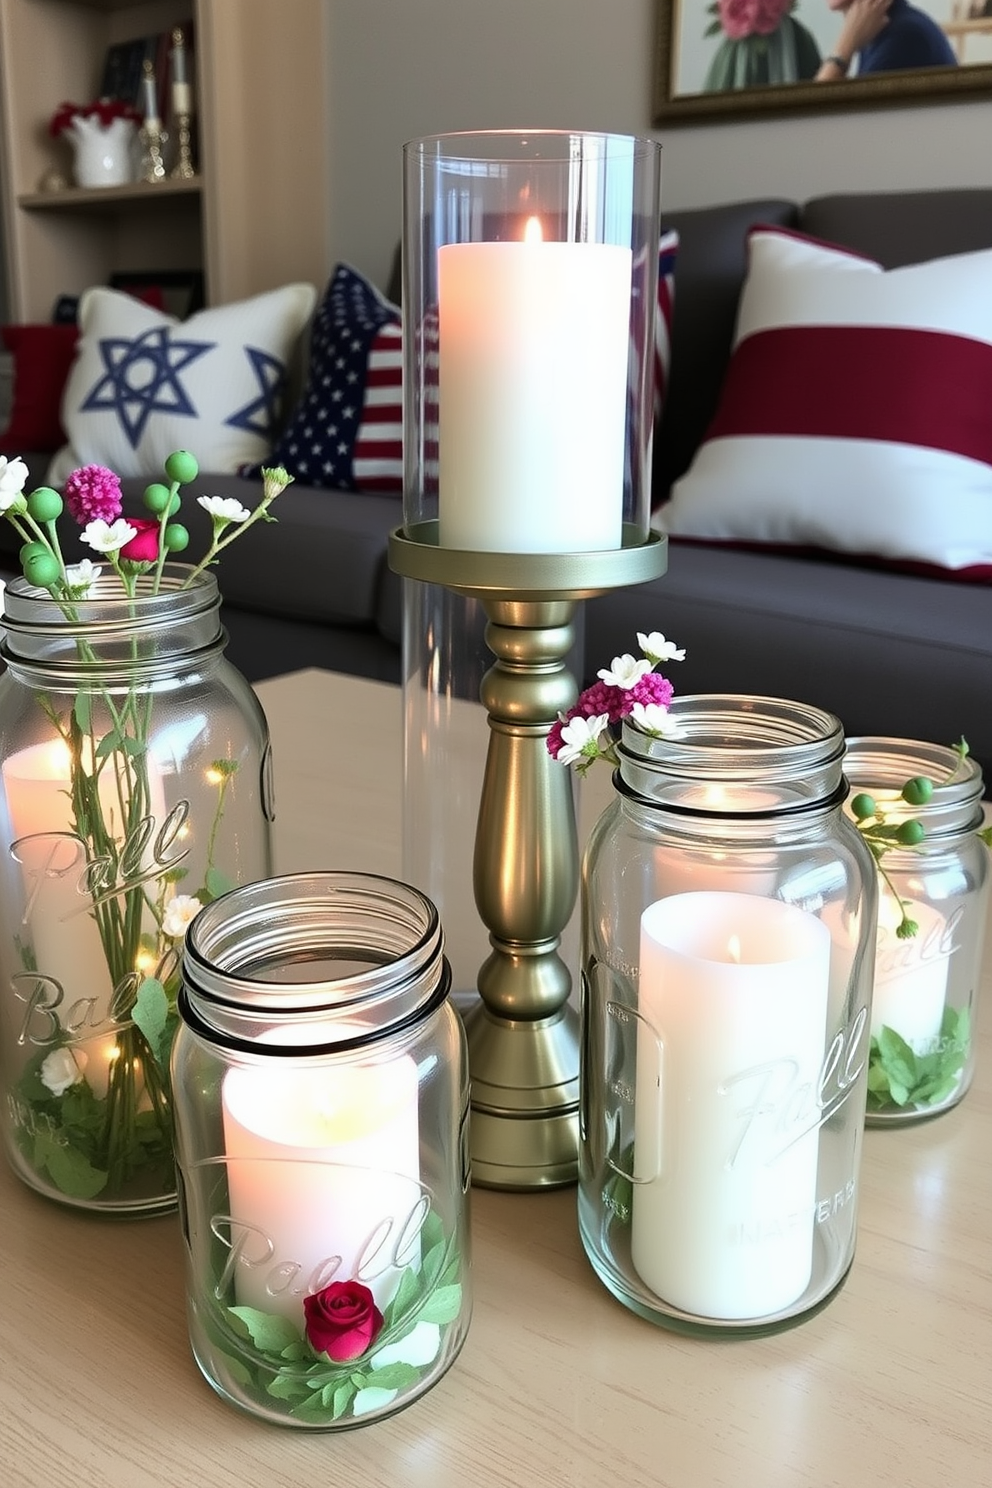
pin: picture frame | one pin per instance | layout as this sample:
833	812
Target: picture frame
179	293
687	74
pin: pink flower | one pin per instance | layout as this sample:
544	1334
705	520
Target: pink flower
651	689
342	1320
93	493
741	18
143	548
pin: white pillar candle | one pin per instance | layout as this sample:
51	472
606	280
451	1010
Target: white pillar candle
76	991
532	386
323	1167
911	975
732	1010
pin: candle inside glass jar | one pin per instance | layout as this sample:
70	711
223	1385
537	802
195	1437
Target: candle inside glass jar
732	1013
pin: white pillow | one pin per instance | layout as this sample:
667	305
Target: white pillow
856	414
144	384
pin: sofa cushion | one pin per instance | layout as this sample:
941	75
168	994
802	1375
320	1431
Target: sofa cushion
346	432
144	383
42	356
707	279
855	412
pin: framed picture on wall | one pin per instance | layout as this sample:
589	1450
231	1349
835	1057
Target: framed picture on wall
731	58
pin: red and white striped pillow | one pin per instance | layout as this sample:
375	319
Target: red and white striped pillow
856	414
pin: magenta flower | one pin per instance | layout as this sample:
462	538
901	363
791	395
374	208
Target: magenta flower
93	493
342	1320
143	547
627	687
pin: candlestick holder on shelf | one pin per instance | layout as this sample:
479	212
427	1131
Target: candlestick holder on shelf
182	108
184	169
153	141
530	280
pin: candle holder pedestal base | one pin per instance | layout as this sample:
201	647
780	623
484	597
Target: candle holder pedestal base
523	1035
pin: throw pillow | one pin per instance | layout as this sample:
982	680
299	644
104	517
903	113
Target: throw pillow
42	356
346	433
855	412
145	384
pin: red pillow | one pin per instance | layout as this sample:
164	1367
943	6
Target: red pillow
42	357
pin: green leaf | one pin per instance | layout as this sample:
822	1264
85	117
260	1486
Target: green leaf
71	1172
151	1015
287	1387
82	710
267	1332
442	1306
396	1376
217	883
109	744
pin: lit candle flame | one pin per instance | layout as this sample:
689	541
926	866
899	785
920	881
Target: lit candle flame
734	949
532	230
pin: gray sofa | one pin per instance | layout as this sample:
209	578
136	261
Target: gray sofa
888	652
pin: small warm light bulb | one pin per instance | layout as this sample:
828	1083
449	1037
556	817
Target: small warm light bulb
144	962
214	777
532	231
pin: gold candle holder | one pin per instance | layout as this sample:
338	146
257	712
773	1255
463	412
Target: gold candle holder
523	1034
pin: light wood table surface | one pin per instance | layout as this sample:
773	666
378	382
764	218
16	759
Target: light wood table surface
557	1383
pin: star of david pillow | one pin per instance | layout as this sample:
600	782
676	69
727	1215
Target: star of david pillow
144	384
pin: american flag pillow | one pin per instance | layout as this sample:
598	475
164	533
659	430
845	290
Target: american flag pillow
854	416
346	432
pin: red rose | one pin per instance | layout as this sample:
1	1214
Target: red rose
144	547
342	1320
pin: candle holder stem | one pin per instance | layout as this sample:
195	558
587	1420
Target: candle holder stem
523	1034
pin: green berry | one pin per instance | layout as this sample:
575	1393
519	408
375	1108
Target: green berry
176	537
918	791
157	498
174	505
911	833
181	466
45	505
863	806
41	567
29	549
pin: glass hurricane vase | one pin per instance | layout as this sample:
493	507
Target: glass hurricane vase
134	789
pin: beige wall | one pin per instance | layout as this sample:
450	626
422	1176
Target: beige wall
402	68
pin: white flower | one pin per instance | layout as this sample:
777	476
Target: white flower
625	671
657	649
655	719
178	913
579	738
59	1070
82	575
106	538
13	477
224	508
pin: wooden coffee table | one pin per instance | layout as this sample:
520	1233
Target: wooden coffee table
558	1386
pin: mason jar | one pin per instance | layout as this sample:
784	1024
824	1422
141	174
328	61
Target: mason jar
321	1110
931	927
728	923
135	787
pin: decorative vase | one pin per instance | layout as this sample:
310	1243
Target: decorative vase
103	153
922	1055
135	787
729	914
321	1085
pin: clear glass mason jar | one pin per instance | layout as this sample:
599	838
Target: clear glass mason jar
135	786
922	1053
728	912
321	1086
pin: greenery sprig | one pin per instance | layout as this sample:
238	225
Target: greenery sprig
882	835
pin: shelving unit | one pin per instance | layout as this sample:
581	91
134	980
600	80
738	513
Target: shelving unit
255	216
